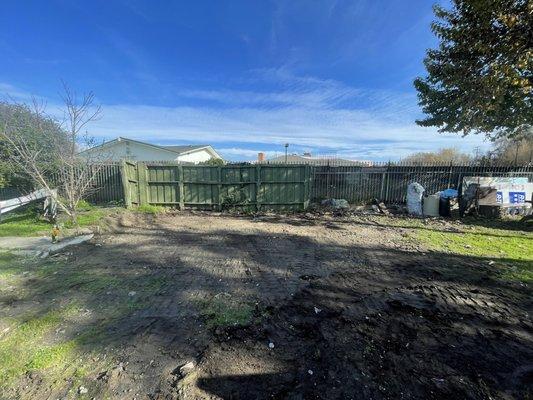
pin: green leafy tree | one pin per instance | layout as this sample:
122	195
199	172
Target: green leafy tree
35	130
479	79
215	162
50	158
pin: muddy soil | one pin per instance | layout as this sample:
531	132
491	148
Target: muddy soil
343	308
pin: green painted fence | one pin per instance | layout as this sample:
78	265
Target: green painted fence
252	187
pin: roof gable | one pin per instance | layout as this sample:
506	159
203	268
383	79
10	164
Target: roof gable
186	149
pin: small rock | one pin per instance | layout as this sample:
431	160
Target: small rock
82	390
187	368
317	310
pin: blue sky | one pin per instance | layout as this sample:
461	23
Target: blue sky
330	77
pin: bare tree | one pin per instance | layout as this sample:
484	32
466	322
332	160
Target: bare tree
58	166
447	155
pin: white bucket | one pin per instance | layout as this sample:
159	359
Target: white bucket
431	205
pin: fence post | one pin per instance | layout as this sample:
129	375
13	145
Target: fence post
219	188
258	187
450	174
307	188
125	184
180	187
383	175
142	183
388	183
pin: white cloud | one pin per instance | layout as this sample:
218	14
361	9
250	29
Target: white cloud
358	132
323	116
248	154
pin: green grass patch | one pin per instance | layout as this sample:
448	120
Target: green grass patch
92	217
22	349
51	355
223	311
9	265
150	209
511	250
29	223
38	342
84	205
24	223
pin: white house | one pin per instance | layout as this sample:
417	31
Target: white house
128	149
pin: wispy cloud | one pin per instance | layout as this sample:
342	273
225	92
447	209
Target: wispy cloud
323	116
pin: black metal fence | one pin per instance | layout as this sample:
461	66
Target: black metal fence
388	182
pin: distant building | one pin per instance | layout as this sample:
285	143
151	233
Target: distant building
128	149
308	159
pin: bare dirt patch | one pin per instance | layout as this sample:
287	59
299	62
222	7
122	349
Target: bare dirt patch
276	307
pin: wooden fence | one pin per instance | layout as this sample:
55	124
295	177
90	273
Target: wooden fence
256	187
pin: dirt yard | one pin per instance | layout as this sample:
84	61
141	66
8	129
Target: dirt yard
300	307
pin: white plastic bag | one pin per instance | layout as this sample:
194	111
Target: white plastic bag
414	198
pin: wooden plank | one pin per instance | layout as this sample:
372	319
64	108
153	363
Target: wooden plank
181	190
125	184
258	197
219	188
143	186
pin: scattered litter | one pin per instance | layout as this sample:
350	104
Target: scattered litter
187	368
310	372
335	204
82	390
317	310
379	207
132	293
491	262
449	194
271	345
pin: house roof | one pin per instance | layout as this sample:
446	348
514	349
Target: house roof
297	159
185	149
174	149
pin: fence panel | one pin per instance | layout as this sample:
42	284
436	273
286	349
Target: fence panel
130	182
107	186
284	187
276	187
